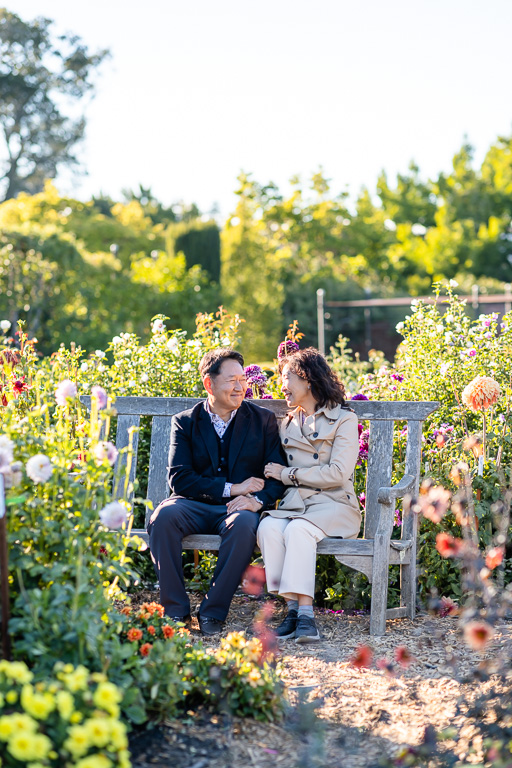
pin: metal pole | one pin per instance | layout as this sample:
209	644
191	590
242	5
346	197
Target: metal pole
4	575
320	295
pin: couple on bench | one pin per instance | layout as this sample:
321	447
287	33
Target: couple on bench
229	463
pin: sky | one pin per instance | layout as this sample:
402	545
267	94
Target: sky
196	92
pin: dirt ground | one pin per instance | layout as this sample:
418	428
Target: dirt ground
362	715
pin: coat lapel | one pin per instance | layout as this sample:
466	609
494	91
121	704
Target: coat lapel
240	426
207	432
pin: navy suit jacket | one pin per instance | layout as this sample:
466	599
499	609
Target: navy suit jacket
194	454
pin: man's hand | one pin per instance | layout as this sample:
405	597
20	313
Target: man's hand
251	485
244	502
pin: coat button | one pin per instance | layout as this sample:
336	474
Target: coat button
315	455
290	457
285	440
315	434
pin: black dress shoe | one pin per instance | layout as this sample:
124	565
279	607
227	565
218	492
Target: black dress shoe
210	626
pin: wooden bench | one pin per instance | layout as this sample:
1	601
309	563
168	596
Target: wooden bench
372	554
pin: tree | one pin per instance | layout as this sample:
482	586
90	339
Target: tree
40	75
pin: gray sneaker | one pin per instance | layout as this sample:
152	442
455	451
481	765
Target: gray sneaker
287	626
306	631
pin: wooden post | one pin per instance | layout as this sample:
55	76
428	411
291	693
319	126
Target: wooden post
4	575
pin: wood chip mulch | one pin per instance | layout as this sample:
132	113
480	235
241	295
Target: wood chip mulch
362	715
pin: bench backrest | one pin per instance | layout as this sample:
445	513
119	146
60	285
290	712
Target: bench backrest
381	416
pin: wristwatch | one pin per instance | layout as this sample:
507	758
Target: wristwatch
291	476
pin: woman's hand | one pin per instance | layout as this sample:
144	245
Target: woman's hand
273	470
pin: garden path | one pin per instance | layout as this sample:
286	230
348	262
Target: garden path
363	714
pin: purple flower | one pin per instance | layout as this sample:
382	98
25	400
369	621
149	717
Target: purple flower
266	397
65	389
364	439
251	370
100	395
472	353
398	519
359	396
397	377
286	348
362	499
249	394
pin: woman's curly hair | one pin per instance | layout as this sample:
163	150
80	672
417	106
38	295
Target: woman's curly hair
312	366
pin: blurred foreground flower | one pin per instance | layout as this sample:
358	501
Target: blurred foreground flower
447	607
403	656
448	546
105	450
477	634
100	395
113	515
65	389
39	468
253	580
433	502
362	657
494	558
481	393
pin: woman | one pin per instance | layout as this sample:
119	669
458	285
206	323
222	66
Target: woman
320	439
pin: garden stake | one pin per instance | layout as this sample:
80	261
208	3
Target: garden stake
4	575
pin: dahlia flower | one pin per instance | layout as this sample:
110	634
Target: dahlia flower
481	393
113	515
286	348
65	389
477	634
39	468
100	395
105	450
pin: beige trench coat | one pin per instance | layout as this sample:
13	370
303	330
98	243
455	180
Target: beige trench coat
324	449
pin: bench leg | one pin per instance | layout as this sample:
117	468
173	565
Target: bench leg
379	585
408	574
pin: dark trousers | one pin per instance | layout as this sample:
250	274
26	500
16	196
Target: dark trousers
175	518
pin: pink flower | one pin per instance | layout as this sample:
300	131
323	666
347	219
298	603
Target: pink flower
448	546
433	503
113	515
362	657
447	607
477	634
481	393
105	450
100	395
65	389
403	656
494	558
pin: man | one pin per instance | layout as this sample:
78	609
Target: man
216	458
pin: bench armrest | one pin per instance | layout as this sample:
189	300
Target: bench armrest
398	491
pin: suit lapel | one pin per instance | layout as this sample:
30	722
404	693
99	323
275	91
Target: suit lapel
240	427
207	433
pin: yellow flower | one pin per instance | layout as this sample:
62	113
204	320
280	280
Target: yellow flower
124	759
76	717
65	703
38	705
98	730
78	741
19	721
29	746
254	649
98	677
107	696
6	727
94	761
17	671
234	640
118	737
11	697
254	678
76	680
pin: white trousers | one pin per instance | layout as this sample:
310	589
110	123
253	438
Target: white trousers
288	546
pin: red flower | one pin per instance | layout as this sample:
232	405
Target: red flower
253	580
494	558
448	546
363	656
477	634
134	634
168	631
19	386
145	649
403	656
151	629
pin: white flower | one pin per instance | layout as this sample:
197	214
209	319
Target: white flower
100	353
118	363
439	328
157	326
186	367
117	340
399	327
6	450
5	325
65	389
113	515
101	368
173	345
453	283
144	377
132	383
444	368
105	450
84	367
193	343
226	341
449	318
100	395
39	468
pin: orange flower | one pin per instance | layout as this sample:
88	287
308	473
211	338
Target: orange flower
477	634
447	545
481	393
145	649
458	472
146	608
433	503
168	631
151	629
126	610
134	635
363	656
494	558
403	656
